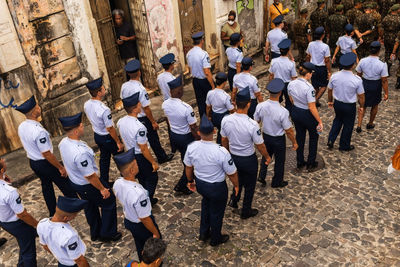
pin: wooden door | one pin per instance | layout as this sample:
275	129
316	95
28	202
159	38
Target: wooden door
191	18
102	14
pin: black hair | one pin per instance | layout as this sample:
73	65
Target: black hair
94	92
374	50
317	36
246	67
232	13
284	52
197	41
241	104
220	81
153	249
348	67
129	109
166	66
349	32
303	71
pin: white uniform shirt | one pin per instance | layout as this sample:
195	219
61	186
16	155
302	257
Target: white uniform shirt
99	116
35	139
346	44
283	68
242	133
244	79
274	117
198	60
318	51
274	37
346	86
10	203
372	68
134	199
132	87
62	240
132	132
210	161
180	115
234	56
78	159
163	79
302	93
219	100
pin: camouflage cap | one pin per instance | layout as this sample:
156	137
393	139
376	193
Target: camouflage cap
368	5
339	7
321	1
304	11
395	7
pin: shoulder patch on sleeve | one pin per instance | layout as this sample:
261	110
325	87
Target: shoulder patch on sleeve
313	93
143	203
142	133
208	59
84	163
18	200
230	162
259	131
147	96
42	140
192	114
109	116
73	246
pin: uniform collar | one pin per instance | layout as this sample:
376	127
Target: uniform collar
33	122
2	182
207	142
241	115
74	141
273	102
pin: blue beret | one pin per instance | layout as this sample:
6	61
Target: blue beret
243	95
197	35
375	44
247	61
132	66
275	85
235	37
206	125
309	66
348	28
320	30
95	84
167	59
278	19
27	106
221	76
131	101
71	205
176	83
348	59
125	158
71	121
284	44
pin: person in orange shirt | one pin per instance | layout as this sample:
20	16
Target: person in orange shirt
275	10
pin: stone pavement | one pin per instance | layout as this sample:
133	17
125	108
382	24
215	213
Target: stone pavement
346	214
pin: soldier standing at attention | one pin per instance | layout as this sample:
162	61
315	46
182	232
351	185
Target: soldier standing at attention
374	75
79	161
200	68
39	150
393	57
276	122
302	34
235	57
344	88
391	26
210	163
355	11
239	135
58	237
165	77
345	44
181	119
318	54
319	17
274	37
105	135
145	116
366	29
336	24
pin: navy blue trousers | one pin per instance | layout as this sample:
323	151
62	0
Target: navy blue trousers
345	114
25	235
252	109
276	146
48	174
104	225
247	168
140	234
201	88
288	103
231	73
215	197
181	141
107	148
62	265
154	140
147	178
304	121
216	119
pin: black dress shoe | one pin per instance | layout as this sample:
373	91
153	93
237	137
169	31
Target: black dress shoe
282	184
311	167
370	126
233	204
262	181
94	238
301	165
154	201
223	239
249	214
2	241
169	157
350	148
116	237
183	190
204	237
330	144
358	130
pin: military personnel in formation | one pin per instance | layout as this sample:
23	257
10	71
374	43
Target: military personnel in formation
393	57
274	37
70	249
355	11
391	26
302	34
235	56
319	17
366	29
166	76
336	23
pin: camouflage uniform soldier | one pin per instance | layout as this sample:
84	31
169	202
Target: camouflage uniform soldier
302	34
391	26
375	11
319	17
348	4
355	12
332	9
386	5
366	29
393	57
336	23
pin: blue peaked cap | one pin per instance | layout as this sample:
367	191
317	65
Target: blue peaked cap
27	106
95	84
71	121
125	158
206	125
71	205
278	19
131	101
276	85
132	66
197	35
167	59
348	59
284	44
177	82
243	95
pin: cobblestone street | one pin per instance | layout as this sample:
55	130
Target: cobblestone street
346	214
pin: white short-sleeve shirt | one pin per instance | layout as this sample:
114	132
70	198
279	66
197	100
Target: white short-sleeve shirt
163	79
198	60
274	117
180	115
302	93
346	86
234	56
132	87
274	37
99	116
219	100
372	68
283	68
318	51
346	44
244	79
133	133
10	203
35	139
